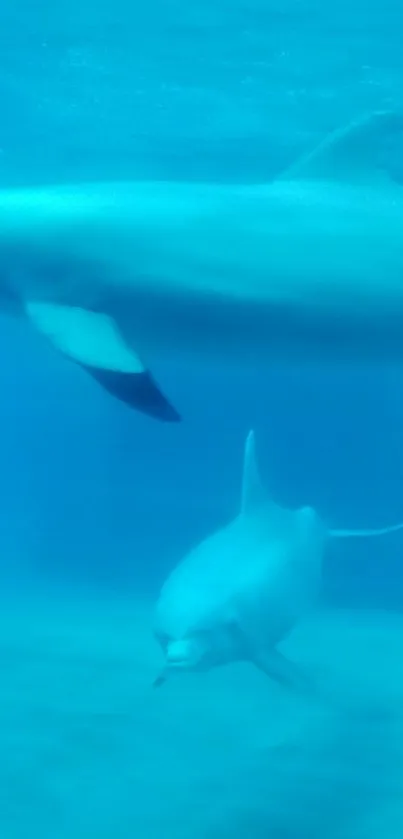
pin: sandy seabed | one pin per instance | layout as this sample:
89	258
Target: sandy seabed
89	749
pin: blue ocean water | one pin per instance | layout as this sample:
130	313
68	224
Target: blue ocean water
98	503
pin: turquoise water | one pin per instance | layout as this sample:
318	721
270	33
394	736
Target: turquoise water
98	503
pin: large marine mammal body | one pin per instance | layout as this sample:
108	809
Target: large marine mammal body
118	275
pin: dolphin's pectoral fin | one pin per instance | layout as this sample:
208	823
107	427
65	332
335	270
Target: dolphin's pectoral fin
138	390
288	674
271	662
94	342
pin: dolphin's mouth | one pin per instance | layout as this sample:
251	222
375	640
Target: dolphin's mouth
175	660
177	663
179	655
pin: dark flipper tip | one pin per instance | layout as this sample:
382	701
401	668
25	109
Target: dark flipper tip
160	680
138	390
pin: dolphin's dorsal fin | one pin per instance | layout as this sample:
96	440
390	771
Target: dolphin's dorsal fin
351	153
254	494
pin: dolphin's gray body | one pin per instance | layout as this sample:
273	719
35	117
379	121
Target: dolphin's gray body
120	274
239	593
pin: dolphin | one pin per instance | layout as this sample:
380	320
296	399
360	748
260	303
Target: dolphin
239	593
121	275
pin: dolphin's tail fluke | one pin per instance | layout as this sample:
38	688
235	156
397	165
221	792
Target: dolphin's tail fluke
351	534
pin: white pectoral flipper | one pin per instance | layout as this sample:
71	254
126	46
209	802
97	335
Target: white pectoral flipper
94	342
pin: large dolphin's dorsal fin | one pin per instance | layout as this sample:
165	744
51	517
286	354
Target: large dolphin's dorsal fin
351	153
254	494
